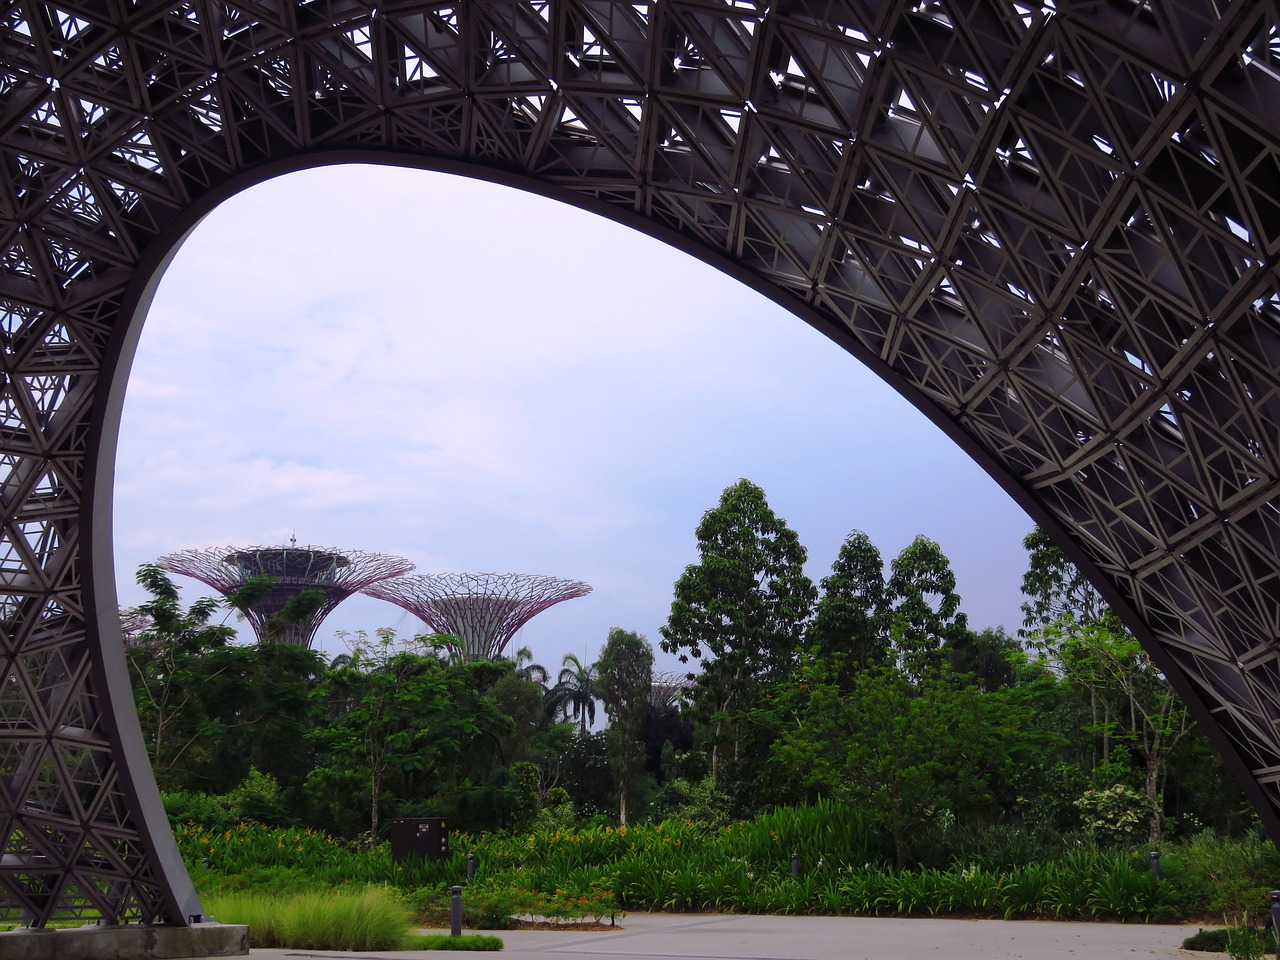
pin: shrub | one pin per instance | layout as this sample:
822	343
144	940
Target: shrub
198	809
442	941
1118	814
1207	941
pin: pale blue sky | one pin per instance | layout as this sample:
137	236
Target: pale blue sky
479	379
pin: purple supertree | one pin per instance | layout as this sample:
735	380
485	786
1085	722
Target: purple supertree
335	573
482	611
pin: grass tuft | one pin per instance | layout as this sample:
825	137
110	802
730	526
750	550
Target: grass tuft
368	919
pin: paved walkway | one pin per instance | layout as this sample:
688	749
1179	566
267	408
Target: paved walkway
736	937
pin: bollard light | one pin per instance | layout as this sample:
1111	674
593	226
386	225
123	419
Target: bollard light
795	865
455	927
471	865
1275	913
1155	864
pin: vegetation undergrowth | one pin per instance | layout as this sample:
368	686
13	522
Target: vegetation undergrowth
594	874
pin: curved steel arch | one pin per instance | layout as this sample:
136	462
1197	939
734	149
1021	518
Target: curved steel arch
1053	226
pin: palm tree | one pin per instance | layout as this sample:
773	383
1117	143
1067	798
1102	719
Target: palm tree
526	669
574	693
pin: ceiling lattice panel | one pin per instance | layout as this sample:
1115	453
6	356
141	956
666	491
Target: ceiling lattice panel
1053	226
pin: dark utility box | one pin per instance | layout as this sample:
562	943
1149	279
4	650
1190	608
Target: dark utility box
424	837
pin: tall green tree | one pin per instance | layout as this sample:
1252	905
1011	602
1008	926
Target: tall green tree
925	608
743	608
851	616
625	671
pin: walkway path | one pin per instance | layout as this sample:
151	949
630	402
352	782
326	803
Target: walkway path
736	937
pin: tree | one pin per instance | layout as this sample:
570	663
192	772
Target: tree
925	608
902	747
168	670
211	709
986	655
1054	586
527	669
851	617
1130	701
397	719
1145	713
745	604
574	693
625	670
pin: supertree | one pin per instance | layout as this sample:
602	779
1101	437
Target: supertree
336	574
669	687
482	611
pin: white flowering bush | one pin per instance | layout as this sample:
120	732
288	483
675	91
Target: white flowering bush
1118	814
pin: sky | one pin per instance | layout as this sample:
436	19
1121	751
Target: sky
478	379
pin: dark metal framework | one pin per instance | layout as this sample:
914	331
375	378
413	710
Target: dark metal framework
482	611
335	573
1053	226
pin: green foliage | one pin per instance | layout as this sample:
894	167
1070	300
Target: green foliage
899	747
1248	943
524	779
574	695
1230	877
625	677
743	608
700	803
500	902
746	601
443	941
925	607
1207	941
1240	942
369	919
593	873
851	618
257	797
1118	814
1131	706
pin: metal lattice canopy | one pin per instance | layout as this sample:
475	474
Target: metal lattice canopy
482	611
335	573
1054	227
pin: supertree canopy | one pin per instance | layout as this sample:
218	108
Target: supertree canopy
482	611
334	574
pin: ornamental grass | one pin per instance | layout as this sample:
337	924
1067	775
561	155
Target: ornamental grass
370	919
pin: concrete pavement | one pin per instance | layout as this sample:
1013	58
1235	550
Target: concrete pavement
737	937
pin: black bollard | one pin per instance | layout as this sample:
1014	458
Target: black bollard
1155	864
1275	913
471	865
455	927
795	865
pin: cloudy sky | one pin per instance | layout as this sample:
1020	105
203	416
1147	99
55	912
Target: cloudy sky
481	380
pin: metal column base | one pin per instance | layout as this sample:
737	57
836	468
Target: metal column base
129	942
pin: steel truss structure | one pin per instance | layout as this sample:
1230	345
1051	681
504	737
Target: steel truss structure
335	573
481	611
1053	226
